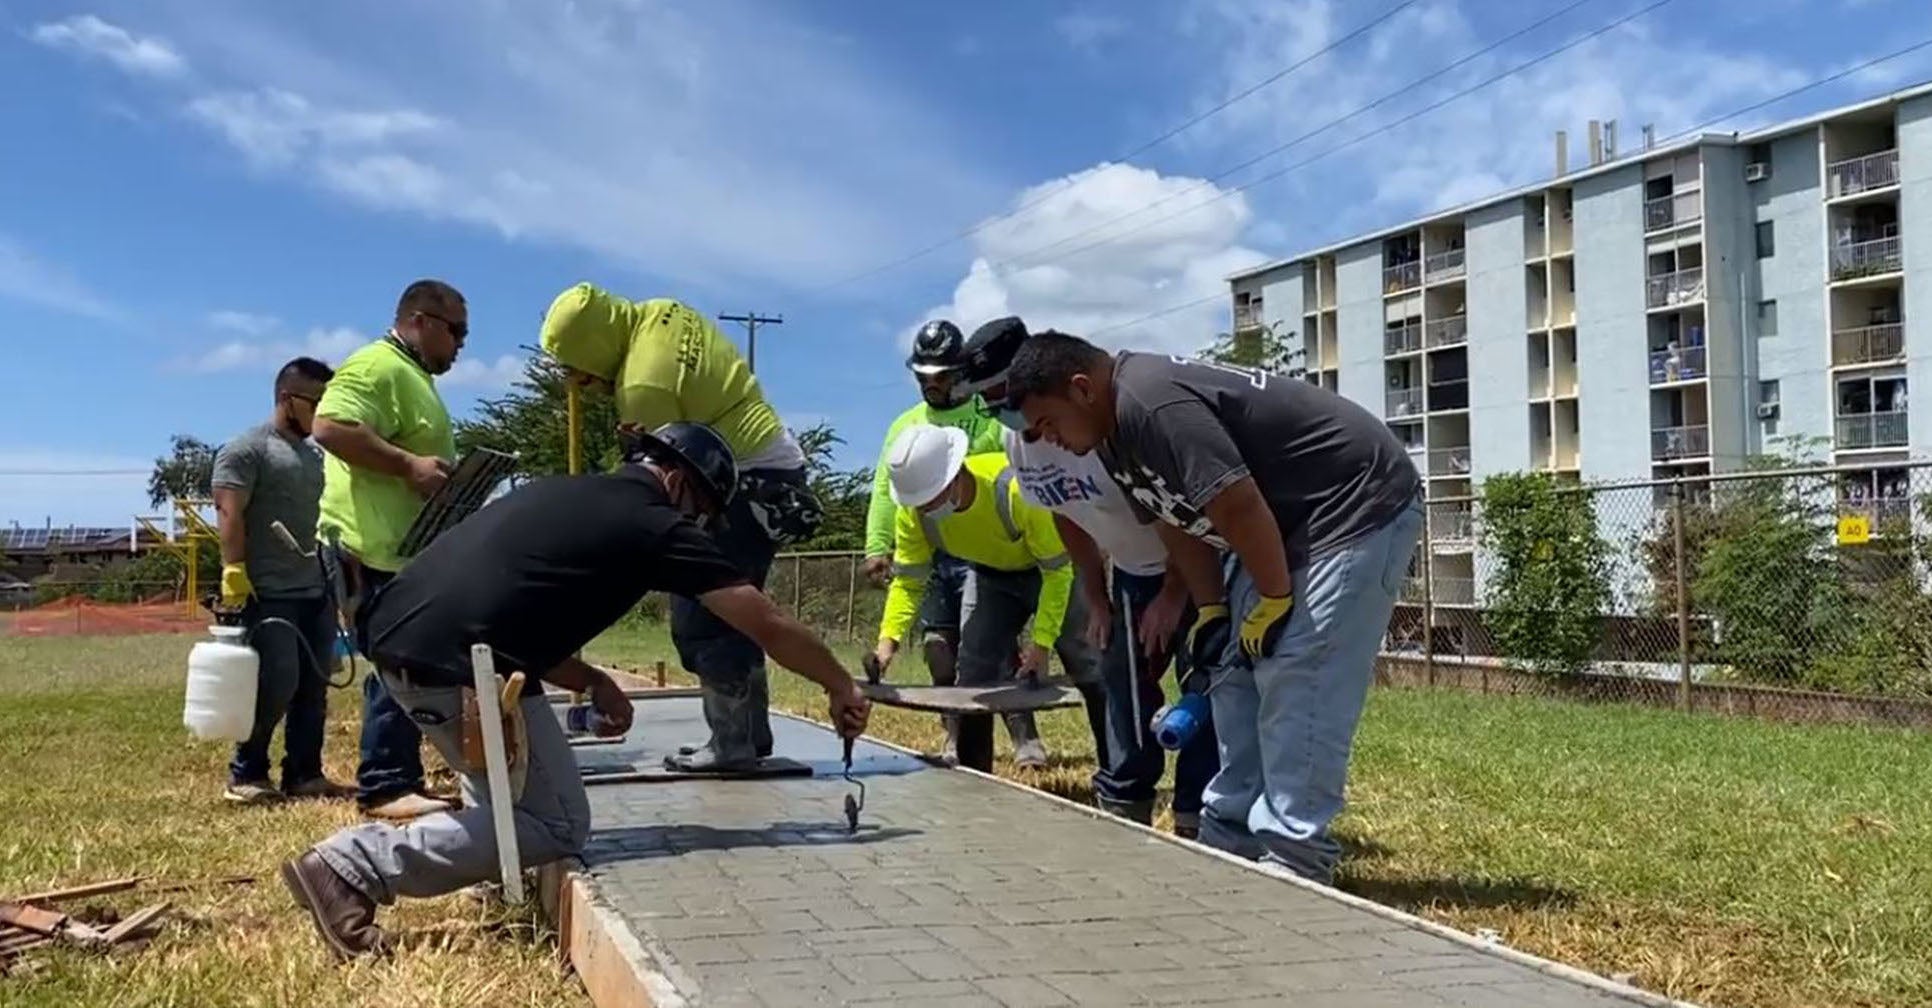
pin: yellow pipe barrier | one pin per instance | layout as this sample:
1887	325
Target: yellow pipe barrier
574	423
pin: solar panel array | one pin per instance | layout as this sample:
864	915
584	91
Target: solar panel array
26	539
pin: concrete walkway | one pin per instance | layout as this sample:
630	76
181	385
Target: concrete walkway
961	890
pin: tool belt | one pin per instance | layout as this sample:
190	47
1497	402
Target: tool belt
782	503
516	742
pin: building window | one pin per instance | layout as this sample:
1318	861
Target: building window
1767	240
1768	392
1761	154
1767	319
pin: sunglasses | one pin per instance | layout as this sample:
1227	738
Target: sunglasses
460	330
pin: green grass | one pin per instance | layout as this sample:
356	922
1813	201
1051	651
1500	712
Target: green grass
102	782
1724	861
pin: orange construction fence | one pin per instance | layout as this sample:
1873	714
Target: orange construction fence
77	615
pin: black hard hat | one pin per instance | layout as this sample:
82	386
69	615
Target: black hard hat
939	347
991	350
696	447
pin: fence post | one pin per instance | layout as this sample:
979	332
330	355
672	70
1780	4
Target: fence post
851	593
1683	593
1428	595
798	582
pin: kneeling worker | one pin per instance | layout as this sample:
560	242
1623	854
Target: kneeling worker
970	507
537	575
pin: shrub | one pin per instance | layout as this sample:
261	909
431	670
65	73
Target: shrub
1544	600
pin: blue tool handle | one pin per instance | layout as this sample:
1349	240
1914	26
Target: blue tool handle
1176	724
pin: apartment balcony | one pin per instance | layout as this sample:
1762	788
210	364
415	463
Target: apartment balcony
1247	316
1405	402
1663	212
1667	443
1447	265
1402	276
1406	338
1681	364
1879	511
1875	257
1448	395
1868	344
1447	332
1454	591
1671	289
1453	527
1872	430
1862	174
1449	461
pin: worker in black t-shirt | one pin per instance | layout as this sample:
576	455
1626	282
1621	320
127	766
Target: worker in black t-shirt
537	575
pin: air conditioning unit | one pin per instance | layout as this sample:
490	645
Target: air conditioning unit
1757	171
1767	411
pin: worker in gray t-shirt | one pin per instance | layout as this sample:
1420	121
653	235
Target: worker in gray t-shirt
1319	508
267	474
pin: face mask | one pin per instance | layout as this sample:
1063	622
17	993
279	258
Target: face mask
1011	419
946	509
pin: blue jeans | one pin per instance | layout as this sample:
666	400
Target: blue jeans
392	745
1135	762
945	589
292	687
1288	723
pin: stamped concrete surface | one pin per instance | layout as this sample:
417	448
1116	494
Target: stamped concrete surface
958	890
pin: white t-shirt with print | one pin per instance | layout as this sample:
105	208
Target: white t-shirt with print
1079	487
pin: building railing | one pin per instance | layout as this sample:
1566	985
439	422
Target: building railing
1879	511
1454	591
1447	332
1453	526
1680	442
1663	212
1872	430
1867	344
1405	338
1446	265
1402	276
1851	260
1404	402
1247	316
1856	175
1680	364
1448	395
1449	461
1681	287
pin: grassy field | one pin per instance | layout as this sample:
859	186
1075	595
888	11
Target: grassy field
1723	861
101	782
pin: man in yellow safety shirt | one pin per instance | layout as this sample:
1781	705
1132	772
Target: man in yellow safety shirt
665	362
970	507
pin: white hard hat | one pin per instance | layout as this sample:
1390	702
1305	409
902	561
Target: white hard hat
923	461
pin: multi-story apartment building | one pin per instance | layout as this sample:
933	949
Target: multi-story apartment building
1667	312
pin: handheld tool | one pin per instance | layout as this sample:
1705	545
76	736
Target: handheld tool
853	805
870	663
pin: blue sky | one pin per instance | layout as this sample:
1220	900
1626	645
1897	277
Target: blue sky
193	190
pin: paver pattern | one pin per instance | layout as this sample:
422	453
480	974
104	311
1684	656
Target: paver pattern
958	891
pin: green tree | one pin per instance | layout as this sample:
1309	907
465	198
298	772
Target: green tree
1266	348
1551	581
184	472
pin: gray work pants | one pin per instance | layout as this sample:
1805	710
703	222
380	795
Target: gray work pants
993	612
446	851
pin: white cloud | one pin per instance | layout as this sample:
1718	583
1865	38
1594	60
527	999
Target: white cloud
246	323
91	36
744	148
265	345
30	280
1084	286
483	377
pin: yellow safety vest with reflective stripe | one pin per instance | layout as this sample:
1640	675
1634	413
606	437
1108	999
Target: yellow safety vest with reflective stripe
1000	531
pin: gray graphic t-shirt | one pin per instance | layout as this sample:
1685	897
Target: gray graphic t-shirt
1329	469
283	480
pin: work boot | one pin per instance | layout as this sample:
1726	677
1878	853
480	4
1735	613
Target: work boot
1135	811
1028	750
1187	825
251	793
732	746
406	806
317	787
344	917
950	754
761	704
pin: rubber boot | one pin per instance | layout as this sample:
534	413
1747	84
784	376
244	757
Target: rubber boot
1028	750
733	747
1137	811
950	754
761	711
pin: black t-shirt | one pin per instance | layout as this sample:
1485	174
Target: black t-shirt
538	573
1185	429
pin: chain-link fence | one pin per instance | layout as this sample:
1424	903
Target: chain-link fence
1801	594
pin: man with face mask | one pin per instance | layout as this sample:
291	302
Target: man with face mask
536	575
269	474
389	448
937	363
665	362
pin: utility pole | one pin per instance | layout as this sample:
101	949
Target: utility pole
751	321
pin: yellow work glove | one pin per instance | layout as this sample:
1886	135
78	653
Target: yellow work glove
1263	627
235	587
1207	641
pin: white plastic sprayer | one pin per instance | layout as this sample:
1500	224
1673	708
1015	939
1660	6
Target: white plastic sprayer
222	679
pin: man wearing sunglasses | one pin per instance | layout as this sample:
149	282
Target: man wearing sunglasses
390	447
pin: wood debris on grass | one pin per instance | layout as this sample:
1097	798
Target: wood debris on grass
37	920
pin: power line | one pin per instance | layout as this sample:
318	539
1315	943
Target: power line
1706	124
1069	184
72	472
1209	182
752	320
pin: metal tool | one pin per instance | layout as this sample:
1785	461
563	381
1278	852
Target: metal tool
853	805
870	663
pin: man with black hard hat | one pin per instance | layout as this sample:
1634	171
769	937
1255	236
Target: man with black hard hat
536	575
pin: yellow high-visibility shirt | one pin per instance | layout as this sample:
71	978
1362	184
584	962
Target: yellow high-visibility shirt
1000	530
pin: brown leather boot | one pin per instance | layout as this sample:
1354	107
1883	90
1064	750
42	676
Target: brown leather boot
345	917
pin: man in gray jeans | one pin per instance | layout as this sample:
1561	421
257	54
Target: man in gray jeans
536	575
267	474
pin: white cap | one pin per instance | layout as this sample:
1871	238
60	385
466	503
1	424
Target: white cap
923	461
